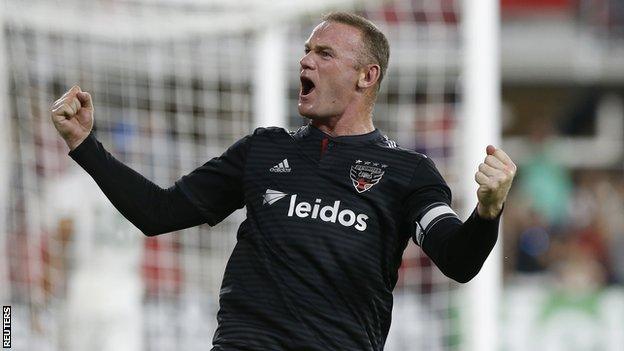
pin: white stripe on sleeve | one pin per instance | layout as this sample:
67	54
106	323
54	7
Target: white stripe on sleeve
434	213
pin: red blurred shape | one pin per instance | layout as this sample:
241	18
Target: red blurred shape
537	8
161	266
536	4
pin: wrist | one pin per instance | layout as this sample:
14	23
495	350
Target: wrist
489	212
74	143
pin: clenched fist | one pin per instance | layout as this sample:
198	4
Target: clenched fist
494	177
72	116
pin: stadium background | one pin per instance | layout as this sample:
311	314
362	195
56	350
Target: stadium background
176	82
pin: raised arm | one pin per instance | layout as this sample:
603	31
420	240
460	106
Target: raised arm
150	208
458	248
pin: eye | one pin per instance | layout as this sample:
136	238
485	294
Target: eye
325	54
306	50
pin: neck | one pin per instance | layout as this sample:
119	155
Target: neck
350	122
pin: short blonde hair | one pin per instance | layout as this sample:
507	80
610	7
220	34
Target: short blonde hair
377	49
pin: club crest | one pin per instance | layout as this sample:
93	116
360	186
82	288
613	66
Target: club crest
365	174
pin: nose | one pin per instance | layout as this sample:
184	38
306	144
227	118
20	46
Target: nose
306	61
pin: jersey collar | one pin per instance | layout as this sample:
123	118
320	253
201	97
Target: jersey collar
310	132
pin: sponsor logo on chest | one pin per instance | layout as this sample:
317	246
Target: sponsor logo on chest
334	213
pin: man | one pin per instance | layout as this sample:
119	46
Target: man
330	207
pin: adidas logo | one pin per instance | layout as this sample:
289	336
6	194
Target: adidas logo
390	143
281	167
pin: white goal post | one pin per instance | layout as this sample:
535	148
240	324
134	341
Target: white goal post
480	127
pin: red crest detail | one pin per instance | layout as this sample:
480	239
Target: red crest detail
365	174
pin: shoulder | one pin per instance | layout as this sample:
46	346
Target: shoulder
261	133
390	146
270	132
273	135
265	138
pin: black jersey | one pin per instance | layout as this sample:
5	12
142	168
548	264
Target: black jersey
317	257
327	222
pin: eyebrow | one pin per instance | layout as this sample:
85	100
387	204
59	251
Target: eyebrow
318	47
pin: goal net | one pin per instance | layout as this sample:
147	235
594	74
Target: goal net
173	84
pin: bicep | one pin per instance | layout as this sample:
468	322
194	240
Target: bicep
216	188
428	201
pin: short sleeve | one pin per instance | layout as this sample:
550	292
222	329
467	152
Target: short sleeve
428	200
216	188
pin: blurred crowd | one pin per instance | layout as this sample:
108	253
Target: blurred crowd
565	225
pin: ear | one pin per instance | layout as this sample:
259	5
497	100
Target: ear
369	75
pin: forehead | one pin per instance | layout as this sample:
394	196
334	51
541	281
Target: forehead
336	35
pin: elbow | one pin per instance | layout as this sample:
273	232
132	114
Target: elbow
462	268
151	227
463	278
463	274
150	231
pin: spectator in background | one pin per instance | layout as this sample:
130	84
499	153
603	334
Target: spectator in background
545	183
580	260
541	203
608	191
615	226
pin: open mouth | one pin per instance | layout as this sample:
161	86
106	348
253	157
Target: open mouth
307	86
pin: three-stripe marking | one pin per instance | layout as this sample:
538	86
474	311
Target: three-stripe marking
282	167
